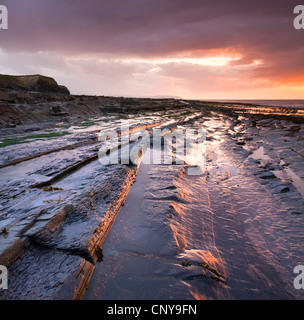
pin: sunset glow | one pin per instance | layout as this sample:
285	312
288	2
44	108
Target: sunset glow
199	50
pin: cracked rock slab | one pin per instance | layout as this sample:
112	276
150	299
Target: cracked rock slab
43	274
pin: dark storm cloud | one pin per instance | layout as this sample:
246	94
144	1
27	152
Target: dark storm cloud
152	29
149	27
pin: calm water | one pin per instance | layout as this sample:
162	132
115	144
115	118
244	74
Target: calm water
274	103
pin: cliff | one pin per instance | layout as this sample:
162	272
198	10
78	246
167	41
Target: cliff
36	83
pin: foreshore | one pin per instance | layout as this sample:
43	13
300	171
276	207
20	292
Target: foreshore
233	232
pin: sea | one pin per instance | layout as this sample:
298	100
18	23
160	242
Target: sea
272	103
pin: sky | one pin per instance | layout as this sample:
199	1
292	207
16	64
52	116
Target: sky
194	49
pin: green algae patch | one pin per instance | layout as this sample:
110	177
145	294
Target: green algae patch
26	139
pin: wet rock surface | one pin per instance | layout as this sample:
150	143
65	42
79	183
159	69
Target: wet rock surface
227	234
233	232
48	275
